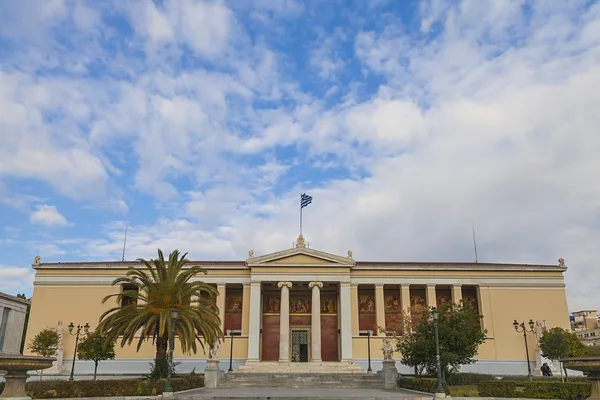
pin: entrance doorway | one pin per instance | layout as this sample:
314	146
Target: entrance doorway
300	345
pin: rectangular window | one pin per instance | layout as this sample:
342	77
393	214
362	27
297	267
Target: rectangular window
233	308
367	313
125	301
3	325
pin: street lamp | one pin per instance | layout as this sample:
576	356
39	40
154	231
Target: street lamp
522	328
231	351
168	391
369	349
439	390
86	329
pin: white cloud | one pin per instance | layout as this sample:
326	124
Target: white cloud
15	280
47	215
492	123
203	26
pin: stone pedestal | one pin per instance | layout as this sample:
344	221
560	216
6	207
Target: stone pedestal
212	374
14	387
389	374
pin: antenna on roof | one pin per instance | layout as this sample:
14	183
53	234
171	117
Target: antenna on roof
474	244
124	244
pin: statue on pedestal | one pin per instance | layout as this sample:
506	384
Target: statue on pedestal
387	348
212	372
213	351
389	372
57	366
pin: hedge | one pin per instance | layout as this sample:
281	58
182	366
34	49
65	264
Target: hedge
535	389
107	388
427	385
467	378
553	378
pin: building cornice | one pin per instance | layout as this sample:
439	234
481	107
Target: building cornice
455	266
358	265
135	264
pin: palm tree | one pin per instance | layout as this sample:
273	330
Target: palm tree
144	309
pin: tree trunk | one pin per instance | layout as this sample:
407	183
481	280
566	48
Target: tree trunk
41	374
560	367
95	369
162	345
566	373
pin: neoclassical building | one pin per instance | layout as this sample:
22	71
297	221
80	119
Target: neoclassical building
302	305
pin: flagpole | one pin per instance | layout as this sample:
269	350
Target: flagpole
300	214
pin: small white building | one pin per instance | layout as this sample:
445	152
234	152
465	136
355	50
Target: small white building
12	320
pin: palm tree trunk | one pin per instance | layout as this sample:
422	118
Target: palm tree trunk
162	345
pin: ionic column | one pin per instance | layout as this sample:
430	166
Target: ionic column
430	294
354	307
456	294
284	322
379	310
254	322
345	321
405	300
245	309
315	320
221	304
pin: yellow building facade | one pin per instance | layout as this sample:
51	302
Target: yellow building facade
302	305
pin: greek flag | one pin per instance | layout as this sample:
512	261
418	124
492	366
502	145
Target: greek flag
305	200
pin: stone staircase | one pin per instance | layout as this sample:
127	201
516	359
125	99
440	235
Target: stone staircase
301	380
301	375
343	367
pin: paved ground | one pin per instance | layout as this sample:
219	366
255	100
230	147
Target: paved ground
274	393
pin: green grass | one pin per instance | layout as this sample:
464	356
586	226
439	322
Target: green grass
463	391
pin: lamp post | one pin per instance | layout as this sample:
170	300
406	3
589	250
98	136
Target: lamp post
369	349
86	329
168	390
230	351
520	327
439	389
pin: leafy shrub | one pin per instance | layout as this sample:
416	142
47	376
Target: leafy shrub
108	388
467	378
591	351
524	378
463	391
159	369
421	384
535	389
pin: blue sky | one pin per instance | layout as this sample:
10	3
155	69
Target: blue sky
198	123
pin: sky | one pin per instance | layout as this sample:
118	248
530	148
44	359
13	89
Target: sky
197	124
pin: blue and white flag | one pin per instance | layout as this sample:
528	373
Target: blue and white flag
305	200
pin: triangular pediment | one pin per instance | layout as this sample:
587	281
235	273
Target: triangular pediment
301	256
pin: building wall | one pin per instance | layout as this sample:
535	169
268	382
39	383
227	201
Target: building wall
75	295
11	327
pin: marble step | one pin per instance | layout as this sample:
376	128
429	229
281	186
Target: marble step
292	380
310	367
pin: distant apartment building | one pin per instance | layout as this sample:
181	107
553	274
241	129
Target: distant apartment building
584	320
585	325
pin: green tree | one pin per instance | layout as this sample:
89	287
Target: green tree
96	347
45	344
157	288
460	336
557	343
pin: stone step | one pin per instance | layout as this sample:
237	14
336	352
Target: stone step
301	380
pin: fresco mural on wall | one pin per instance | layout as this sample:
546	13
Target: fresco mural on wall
328	303
392	304
366	303
299	305
233	302
272	303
